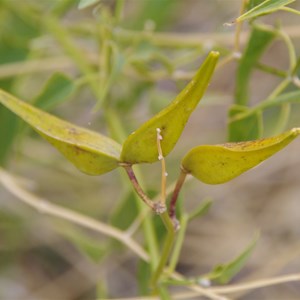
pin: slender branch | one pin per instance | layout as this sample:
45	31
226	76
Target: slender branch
157	207
179	242
172	209
238	29
256	284
45	207
169	242
136	185
164	173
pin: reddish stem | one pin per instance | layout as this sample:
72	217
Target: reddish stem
157	207
172	209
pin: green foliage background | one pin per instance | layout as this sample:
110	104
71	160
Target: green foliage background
109	69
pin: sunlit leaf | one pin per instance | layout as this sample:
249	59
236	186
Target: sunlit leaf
225	272
260	38
214	164
245	129
141	146
57	89
90	152
264	8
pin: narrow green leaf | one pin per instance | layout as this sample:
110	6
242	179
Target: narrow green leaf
57	89
291	97
252	3
225	272
214	164
201	210
87	245
141	147
260	38
86	3
245	129
9	125
90	152
264	8
143	277
124	213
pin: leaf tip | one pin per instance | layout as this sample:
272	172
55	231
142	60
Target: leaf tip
296	131
215	54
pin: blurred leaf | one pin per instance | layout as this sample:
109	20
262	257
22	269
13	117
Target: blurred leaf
141	145
16	33
260	38
214	164
9	125
224	273
89	151
252	3
291	97
57	89
143	277
164	293
86	3
201	210
264	8
245	129
159	12
87	245
12	233
125	213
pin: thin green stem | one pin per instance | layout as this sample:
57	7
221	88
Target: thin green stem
117	131
291	49
179	242
168	245
278	90
238	29
283	118
271	70
119	10
64	39
291	10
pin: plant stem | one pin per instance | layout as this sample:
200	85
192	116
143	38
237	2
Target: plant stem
48	208
117	131
163	168
238	29
148	230
168	245
64	39
179	242
137	187
172	209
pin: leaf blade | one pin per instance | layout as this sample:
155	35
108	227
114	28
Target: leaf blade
225	272
57	89
263	8
215	164
244	129
90	152
140	146
260	39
